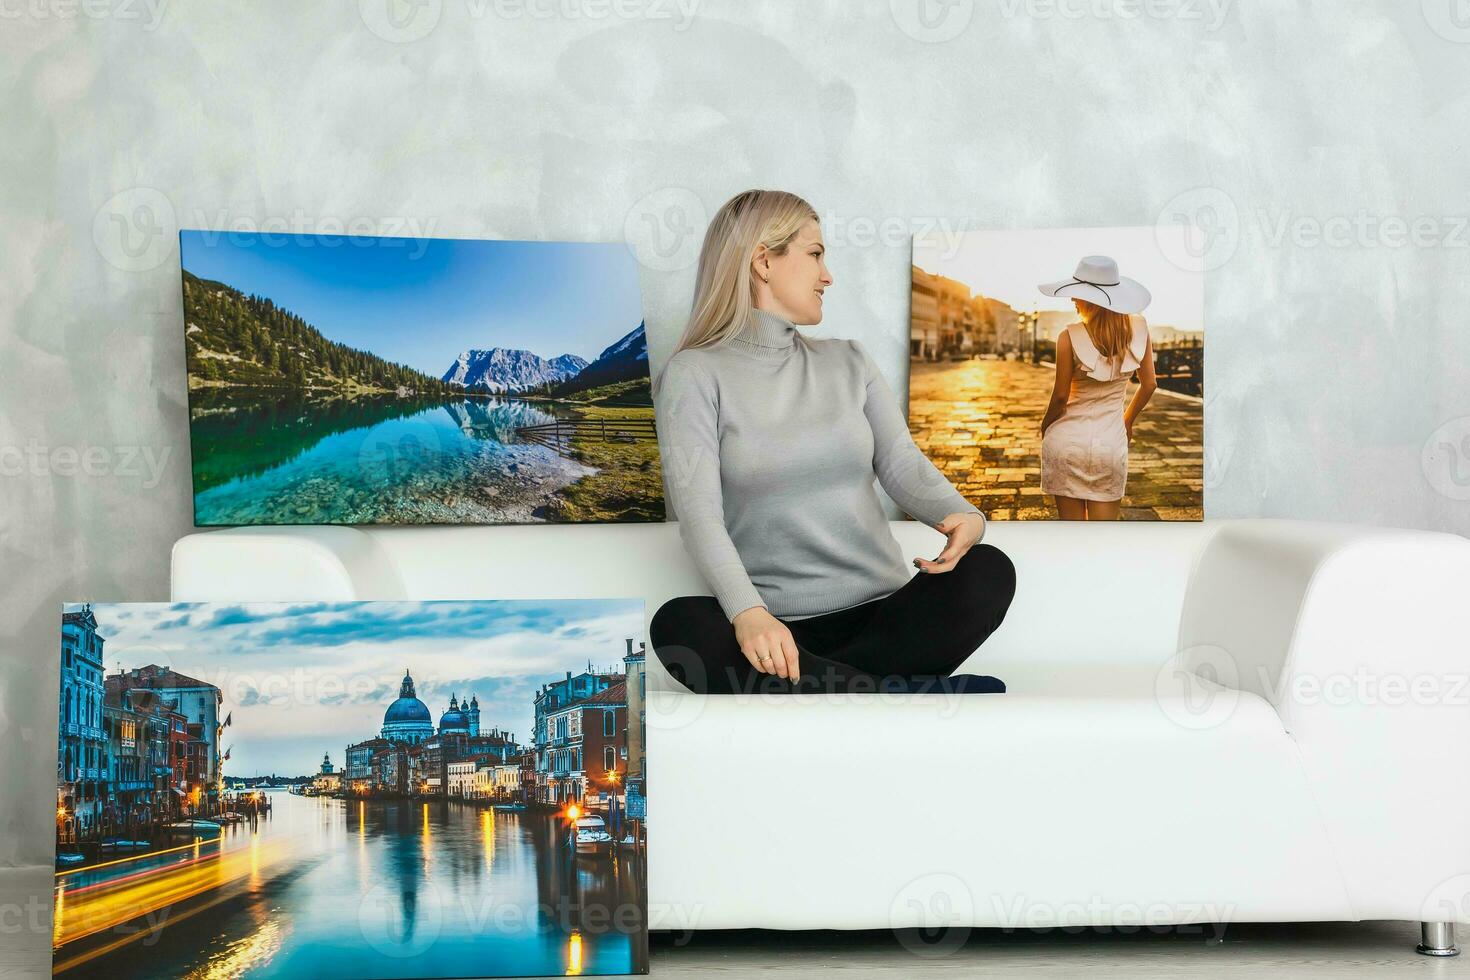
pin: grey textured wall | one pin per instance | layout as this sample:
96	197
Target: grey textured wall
1322	145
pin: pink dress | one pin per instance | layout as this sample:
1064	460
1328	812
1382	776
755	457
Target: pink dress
1084	453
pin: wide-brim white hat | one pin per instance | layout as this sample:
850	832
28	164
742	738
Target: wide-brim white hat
1097	281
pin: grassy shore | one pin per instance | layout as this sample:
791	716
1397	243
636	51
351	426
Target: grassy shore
628	485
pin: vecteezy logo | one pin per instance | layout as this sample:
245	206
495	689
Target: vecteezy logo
662	229
393	452
401	922
1446	459
1199	688
1448	901
931	915
1218	449
400	21
932	21
1210	224
1450	19
135	230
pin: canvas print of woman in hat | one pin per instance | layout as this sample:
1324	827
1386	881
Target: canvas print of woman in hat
1086	430
1050	398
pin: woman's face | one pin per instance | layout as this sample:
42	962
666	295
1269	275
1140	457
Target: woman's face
797	278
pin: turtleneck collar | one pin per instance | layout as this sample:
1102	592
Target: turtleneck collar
766	334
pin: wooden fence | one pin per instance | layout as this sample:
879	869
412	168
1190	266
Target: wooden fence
561	431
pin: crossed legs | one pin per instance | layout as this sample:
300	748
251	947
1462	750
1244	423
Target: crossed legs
920	633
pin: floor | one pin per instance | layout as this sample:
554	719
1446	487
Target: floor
1335	949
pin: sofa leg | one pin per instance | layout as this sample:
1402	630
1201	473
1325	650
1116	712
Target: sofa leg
1438	939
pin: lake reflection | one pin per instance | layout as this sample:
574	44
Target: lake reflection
389	889
281	459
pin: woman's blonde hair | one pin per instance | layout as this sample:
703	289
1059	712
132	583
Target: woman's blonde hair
1110	331
724	290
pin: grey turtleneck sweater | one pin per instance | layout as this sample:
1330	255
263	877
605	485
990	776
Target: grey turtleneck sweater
770	444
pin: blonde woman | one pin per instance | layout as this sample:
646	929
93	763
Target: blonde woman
771	442
1086	430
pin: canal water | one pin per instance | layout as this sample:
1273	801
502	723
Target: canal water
326	887
260	458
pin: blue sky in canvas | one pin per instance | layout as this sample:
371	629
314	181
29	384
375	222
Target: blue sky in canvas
302	679
421	301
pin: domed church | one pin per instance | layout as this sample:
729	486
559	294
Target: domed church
407	719
462	718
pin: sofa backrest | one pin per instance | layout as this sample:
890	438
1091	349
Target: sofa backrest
1090	596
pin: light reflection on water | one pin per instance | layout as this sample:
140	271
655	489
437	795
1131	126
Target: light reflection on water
396	889
370	461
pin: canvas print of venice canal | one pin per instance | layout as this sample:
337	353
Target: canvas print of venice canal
353	380
354	790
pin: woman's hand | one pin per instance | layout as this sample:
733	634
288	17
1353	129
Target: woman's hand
963	530
766	642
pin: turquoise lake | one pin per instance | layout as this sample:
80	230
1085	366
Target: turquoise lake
264	459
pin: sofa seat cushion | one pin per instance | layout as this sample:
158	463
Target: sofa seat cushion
1013	807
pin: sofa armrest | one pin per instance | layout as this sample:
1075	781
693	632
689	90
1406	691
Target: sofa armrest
275	564
1357	636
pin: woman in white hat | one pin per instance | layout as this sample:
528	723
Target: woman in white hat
1086	430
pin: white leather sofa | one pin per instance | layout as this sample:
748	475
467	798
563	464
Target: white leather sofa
1249	720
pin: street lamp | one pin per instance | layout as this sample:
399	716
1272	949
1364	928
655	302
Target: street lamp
612	806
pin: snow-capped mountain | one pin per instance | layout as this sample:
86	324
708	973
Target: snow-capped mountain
509	370
625	358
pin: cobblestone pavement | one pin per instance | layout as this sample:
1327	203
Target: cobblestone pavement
980	422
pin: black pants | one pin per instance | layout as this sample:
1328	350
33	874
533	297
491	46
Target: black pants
924	630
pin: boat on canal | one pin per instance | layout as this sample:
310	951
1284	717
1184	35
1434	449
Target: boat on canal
590	836
194	828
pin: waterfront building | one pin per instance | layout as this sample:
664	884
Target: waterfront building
137	725
133	746
198	703
637	685
358	771
484	784
605	746
428	768
390	769
176	753
581	744
126	736
415	778
460	778
81	767
557	737
505	780
327	780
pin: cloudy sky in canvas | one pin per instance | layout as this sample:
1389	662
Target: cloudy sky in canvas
301	679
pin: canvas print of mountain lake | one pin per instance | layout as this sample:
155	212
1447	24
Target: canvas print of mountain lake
355	380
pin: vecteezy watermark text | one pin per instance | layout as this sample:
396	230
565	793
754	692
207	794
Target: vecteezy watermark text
126	462
149	12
